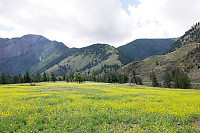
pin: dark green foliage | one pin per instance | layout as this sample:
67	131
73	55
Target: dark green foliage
20	79
181	80
53	77
167	80
44	77
26	78
15	79
174	46
8	79
124	59
112	77
59	78
3	78
37	77
63	77
143	48
78	77
136	80
154	80
67	78
48	78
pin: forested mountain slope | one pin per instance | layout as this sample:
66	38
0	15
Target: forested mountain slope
143	48
88	59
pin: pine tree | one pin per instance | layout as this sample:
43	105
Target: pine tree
167	80
37	77
134	79
181	80
3	78
63	77
59	78
120	78
44	77
125	78
26	78
20	79
154	80
8	79
48	78
78	77
53	77
139	80
15	79
71	77
67	78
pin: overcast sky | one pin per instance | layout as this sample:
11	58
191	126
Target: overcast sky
79	23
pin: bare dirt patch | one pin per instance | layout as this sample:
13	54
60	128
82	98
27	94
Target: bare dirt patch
195	122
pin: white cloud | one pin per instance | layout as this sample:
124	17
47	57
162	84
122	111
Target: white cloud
80	23
164	18
76	23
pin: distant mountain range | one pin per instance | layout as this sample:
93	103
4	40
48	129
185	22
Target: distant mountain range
36	53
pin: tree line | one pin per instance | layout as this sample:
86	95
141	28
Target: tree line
95	76
26	78
174	79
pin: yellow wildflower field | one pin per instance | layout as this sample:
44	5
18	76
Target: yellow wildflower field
97	107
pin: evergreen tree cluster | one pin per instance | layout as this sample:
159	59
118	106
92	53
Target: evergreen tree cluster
180	79
26	78
176	79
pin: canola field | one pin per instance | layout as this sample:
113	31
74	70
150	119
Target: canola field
97	107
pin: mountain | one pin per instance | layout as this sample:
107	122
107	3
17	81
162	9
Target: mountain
36	53
87	59
30	52
185	55
143	48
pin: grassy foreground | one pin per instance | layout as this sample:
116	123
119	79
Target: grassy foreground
97	107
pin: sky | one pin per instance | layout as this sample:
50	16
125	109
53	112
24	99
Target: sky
79	23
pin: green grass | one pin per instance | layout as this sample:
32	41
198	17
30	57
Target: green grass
97	107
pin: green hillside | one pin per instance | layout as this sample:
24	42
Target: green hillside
187	58
144	48
88	59
191	36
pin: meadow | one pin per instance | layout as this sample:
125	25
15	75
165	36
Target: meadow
97	107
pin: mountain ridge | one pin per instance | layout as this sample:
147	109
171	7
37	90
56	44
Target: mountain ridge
36	53
20	54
